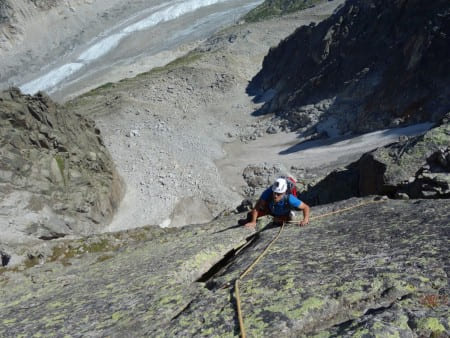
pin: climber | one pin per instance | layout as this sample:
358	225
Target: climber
278	202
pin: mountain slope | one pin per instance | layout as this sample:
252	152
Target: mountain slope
371	65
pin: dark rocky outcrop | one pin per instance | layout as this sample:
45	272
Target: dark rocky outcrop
371	65
378	269
338	185
56	176
415	167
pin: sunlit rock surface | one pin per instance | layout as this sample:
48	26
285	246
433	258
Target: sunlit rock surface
379	268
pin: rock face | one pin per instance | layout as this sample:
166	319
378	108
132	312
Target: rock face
380	268
371	65
56	176
416	167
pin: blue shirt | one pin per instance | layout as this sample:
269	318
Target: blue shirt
283	207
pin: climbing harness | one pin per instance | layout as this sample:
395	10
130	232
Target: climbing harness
261	255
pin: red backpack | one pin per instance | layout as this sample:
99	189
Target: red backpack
291	185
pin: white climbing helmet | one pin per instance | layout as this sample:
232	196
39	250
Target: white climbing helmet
280	186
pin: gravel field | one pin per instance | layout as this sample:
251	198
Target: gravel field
166	130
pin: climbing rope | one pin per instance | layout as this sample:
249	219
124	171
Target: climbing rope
242	275
261	255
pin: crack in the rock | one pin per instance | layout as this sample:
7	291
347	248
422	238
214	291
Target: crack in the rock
179	313
52	236
219	269
380	309
5	258
227	260
369	312
411	321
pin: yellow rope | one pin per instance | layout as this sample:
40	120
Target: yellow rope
238	305
236	283
260	256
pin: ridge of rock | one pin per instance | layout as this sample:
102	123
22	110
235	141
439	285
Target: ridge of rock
56	176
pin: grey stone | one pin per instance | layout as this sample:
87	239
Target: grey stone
402	196
272	130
